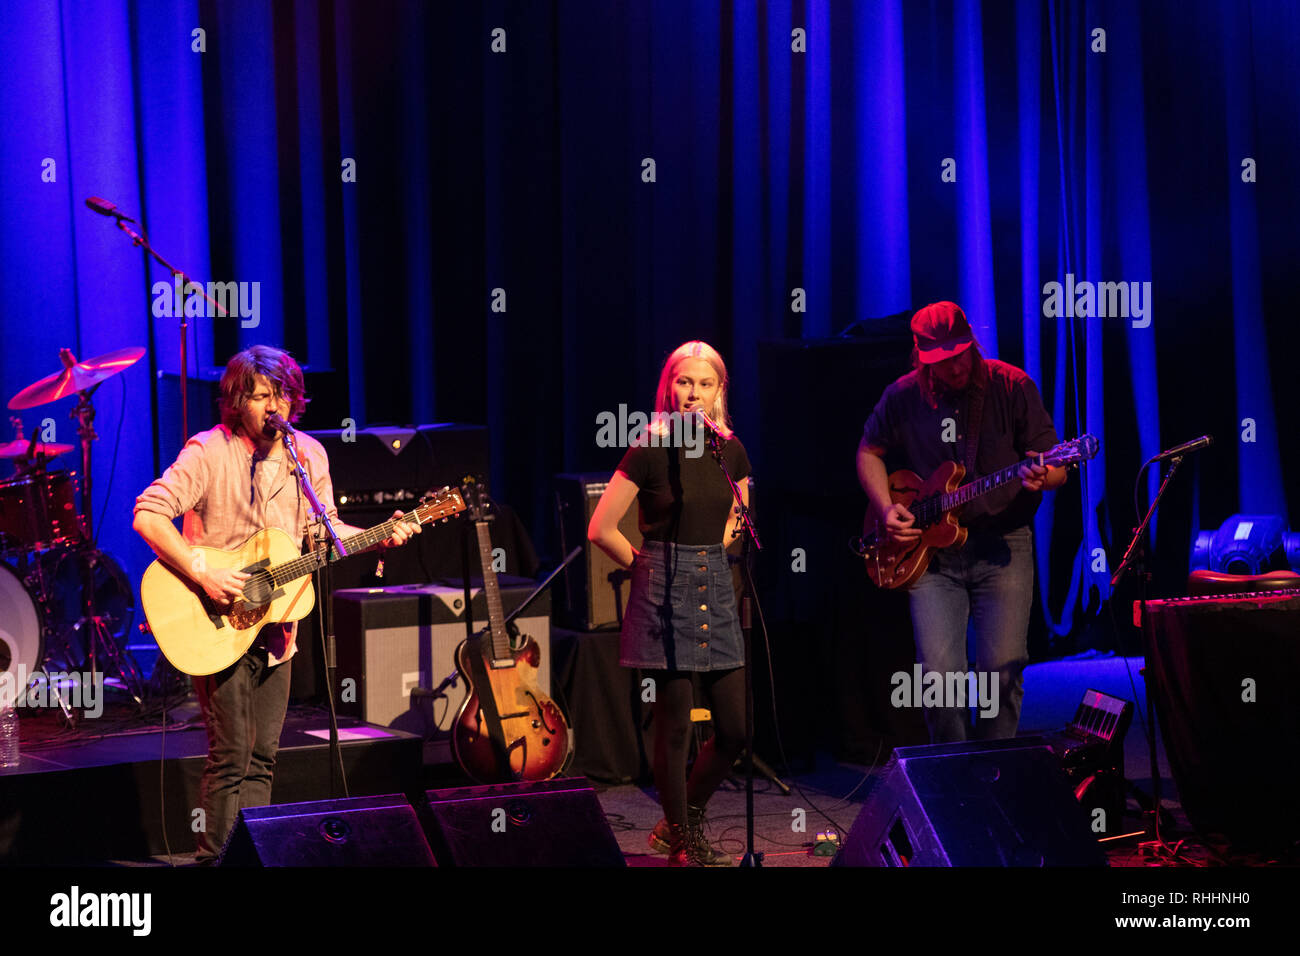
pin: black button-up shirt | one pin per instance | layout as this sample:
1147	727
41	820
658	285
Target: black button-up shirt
1013	425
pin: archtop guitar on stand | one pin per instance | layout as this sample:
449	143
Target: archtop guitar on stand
507	729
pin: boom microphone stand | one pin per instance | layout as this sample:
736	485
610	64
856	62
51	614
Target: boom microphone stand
1135	557
106	208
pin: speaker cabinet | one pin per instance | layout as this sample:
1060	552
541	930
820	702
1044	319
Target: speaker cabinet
991	803
361	831
394	641
595	588
547	823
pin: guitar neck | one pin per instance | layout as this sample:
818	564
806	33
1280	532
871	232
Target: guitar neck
315	560
982	486
492	592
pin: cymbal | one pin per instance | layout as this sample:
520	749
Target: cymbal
18	449
76	376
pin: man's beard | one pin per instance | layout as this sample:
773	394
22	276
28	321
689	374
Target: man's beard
943	388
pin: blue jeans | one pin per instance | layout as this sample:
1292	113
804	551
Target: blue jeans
243	709
987	583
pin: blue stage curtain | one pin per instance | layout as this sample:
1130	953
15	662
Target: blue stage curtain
548	197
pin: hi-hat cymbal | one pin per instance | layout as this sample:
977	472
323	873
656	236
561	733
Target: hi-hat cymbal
18	448
76	376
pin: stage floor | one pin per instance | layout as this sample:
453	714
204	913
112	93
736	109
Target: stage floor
99	795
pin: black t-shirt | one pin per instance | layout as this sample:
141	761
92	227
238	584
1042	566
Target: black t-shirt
1014	423
684	500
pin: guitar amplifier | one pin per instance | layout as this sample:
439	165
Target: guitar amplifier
397	646
595	588
376	470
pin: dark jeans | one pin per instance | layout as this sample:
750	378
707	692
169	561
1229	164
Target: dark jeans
988	582
243	710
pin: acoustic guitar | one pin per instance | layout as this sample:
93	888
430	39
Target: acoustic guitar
935	503
507	729
202	637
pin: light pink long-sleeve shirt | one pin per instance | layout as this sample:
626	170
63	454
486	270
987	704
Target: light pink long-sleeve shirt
212	484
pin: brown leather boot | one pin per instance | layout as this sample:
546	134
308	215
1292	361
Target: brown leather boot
703	851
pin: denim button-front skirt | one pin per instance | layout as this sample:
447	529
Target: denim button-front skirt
681	610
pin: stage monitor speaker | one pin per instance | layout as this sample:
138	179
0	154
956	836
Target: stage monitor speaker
546	823
988	803
595	588
360	831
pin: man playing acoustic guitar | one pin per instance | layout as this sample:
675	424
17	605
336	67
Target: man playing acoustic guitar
952	397
230	482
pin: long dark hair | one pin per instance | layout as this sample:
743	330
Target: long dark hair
240	381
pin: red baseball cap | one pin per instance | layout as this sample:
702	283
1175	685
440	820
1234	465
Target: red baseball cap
940	331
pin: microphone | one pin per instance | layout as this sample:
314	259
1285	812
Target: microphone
1196	444
276	425
106	208
722	431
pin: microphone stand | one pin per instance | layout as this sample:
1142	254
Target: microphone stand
1135	557
751	858
186	282
324	531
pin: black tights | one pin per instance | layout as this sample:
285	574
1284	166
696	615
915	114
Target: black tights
672	722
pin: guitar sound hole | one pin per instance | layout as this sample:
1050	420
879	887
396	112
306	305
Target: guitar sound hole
259	588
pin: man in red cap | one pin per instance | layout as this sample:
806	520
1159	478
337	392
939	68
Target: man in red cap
954	396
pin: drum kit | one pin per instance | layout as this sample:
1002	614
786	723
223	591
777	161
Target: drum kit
65	605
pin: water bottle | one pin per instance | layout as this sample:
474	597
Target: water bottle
9	737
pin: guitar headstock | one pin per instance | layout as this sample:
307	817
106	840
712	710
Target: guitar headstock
439	505
1072	452
476	498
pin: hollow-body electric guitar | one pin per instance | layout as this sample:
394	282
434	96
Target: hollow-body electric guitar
507	729
202	637
935	503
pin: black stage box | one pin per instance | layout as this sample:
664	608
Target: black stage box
360	831
1225	673
546	823
986	803
595	588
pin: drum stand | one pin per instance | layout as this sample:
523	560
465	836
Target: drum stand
98	635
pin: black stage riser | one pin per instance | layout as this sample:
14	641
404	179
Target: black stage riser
113	812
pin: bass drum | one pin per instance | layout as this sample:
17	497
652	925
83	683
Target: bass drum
22	640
